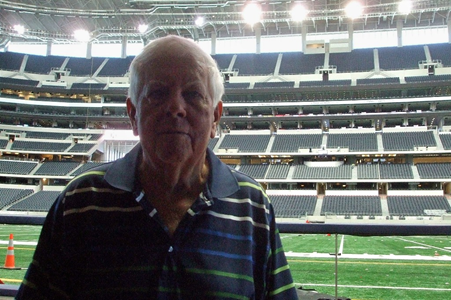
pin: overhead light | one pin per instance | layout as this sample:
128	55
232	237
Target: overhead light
252	13
354	9
19	29
200	21
298	13
81	35
143	28
405	7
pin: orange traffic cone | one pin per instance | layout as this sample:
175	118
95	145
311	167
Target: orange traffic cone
9	262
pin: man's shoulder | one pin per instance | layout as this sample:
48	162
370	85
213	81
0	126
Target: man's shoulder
248	186
95	171
243	177
91	176
92	189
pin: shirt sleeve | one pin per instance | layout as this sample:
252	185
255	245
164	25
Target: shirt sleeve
45	277
280	282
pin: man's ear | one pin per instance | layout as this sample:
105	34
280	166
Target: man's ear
217	116
132	115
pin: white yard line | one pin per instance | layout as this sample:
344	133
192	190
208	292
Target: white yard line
340	251
370	256
375	287
424	245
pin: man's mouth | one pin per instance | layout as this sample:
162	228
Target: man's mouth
174	132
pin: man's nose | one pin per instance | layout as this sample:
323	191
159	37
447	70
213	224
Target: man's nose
176	105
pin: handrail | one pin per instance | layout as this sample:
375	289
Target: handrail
366	229
284	227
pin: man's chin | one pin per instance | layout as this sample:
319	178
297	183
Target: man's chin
175	154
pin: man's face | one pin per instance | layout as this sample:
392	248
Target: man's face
175	118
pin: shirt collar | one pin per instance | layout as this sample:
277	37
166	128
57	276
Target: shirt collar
119	175
221	182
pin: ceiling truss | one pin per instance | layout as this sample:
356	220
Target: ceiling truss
113	20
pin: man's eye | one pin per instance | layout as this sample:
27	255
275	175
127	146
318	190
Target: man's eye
157	94
193	95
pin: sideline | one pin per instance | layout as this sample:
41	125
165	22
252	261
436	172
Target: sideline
375	287
370	256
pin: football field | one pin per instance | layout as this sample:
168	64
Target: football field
396	267
414	267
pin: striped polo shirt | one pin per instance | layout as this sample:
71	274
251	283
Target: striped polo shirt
102	239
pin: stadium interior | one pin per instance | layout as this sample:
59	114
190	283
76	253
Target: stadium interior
335	135
354	146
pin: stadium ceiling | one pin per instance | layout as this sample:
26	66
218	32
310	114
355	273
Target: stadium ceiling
116	21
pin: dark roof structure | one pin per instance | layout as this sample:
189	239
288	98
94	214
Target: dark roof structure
113	21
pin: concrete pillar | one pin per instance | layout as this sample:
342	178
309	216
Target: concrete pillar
399	31
48	50
304	37
124	47
351	35
213	43
258	39
449	31
89	50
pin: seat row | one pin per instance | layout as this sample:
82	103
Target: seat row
258	171
352	142
390	58
345	172
290	206
47	168
22	145
285	206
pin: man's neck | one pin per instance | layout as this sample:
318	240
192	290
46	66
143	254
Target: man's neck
172	191
174	181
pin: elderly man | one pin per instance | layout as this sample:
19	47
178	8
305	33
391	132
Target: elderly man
169	220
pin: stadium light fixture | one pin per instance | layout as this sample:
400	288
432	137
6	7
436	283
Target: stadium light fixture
19	29
252	13
405	7
354	9
199	21
81	35
142	28
298	12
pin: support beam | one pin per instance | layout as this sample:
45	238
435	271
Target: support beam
351	35
89	50
48	49
213	43
304	37
258	39
124	47
399	31
449	30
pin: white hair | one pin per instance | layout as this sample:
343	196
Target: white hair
139	66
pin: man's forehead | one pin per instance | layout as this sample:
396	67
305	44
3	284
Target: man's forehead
194	82
176	65
176	51
179	51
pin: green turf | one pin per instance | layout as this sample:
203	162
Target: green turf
22	253
369	278
358	278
